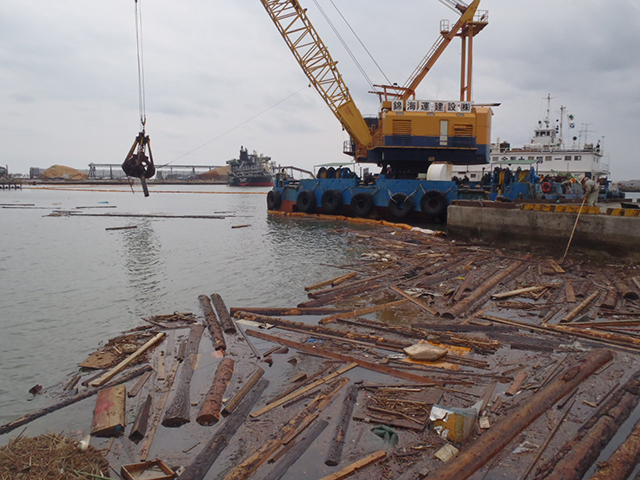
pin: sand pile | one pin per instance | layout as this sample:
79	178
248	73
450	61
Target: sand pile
63	172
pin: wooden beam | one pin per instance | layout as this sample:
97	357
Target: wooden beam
355	466
108	416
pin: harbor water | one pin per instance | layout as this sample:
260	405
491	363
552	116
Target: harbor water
69	284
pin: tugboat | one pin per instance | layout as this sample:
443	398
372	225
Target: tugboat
251	170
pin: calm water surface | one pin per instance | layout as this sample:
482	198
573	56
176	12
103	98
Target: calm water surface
68	284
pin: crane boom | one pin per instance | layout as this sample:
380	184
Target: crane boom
439	46
313	56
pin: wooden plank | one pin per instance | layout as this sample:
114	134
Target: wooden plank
108	416
557	268
346	358
570	293
333	281
133	391
583	305
513	389
520	291
123	364
303	390
355	466
139	427
231	405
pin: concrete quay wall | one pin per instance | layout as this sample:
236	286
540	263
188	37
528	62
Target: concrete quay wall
538	230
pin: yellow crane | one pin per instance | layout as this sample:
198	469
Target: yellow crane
408	134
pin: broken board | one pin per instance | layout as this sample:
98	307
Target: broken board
108	416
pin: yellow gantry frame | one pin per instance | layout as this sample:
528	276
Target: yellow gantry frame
311	53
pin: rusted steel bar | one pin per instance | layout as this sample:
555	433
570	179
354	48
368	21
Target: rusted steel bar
337	442
333	281
221	438
478	293
217	337
287	311
492	441
212	403
223	314
362	311
623	461
139	427
7	427
230	406
305	327
251	464
177	413
345	358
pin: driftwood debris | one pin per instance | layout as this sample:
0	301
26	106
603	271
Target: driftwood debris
499	435
231	405
337	442
212	403
221	438
223	314
70	401
354	467
251	464
139	427
177	413
108	416
217	337
123	364
332	282
623	461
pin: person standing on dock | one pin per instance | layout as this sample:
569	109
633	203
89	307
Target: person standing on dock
591	191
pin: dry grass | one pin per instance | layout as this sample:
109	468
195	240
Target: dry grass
51	457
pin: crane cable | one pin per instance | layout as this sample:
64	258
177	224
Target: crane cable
139	52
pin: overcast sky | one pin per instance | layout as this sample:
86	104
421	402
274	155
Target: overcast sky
218	76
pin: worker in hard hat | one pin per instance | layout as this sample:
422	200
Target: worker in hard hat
591	191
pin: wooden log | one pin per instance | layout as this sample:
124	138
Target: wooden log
298	448
610	300
223	314
231	405
124	363
288	311
464	286
70	401
478	293
252	463
492	441
362	311
625	290
333	281
303	390
341	289
623	461
337	442
584	289
221	438
139	427
346	358
108	416
133	391
415	300
217	337
320	330
355	466
212	403
177	412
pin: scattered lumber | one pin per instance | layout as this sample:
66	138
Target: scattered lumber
332	282
212	403
347	359
362	311
210	320
231	405
492	441
70	401
221	438
250	465
177	413
415	300
125	363
108	416
288	311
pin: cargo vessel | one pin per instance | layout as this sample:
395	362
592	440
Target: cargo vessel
250	170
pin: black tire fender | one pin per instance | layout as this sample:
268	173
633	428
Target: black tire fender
306	201
362	204
434	203
331	201
274	200
400	205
